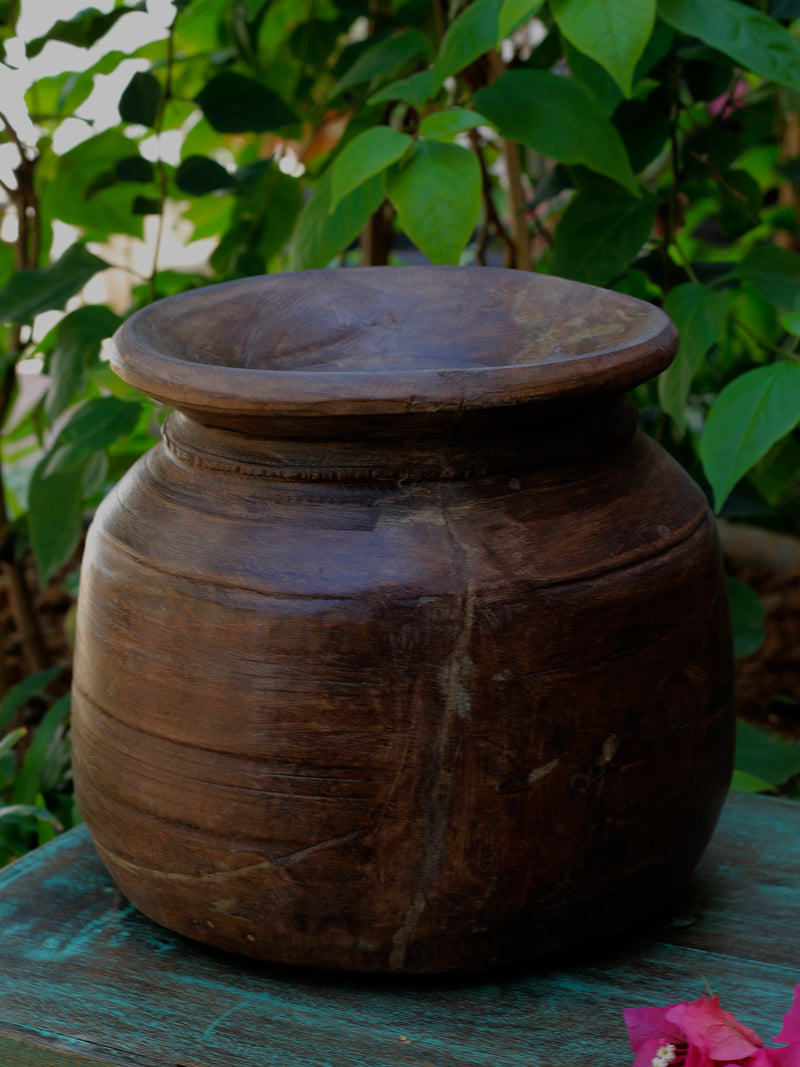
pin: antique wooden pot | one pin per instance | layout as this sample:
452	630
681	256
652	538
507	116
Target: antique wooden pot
405	650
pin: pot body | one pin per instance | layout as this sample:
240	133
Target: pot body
404	694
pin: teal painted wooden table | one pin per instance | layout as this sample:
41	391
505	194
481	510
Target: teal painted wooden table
85	980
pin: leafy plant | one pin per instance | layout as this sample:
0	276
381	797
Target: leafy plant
36	797
652	146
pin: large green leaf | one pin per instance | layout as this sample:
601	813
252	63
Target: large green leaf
613	32
752	39
135	169
444	124
94	426
88	26
601	231
234	103
700	314
474	32
267	206
28	782
198	175
747	613
30	292
140	99
55	518
51	96
385	59
773	271
750	414
437	196
21	693
559	118
320	235
763	754
6	263
366	155
77	344
67	198
515	12
416	89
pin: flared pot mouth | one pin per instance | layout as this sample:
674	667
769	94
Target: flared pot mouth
388	340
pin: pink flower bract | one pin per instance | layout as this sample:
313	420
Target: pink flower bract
702	1034
714	1032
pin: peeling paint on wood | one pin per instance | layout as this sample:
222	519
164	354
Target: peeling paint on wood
88	982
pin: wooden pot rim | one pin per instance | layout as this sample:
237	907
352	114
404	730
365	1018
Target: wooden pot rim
388	340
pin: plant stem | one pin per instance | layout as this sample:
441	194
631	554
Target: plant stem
516	203
160	168
516	195
784	353
687	266
27	250
489	204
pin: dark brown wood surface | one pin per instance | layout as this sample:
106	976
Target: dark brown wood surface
388	340
86	981
410	692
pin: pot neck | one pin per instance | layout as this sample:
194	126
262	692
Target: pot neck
420	447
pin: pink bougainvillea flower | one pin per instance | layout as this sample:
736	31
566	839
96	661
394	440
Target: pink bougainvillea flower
714	1032
791	1020
702	1034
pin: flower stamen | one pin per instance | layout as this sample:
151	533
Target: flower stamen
667	1054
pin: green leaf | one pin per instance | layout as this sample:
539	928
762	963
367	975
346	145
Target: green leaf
777	475
513	13
791	322
748	614
385	59
18	812
55	518
10	740
198	175
752	39
740	203
146	205
66	197
475	31
773	271
27	785
83	30
320	235
134	169
600	232
594	78
77	344
766	756
612	32
443	124
6	263
95	425
415	90
48	98
234	103
366	155
699	313
437	196
750	414
267	206
743	782
559	118
30	292
19	695
141	99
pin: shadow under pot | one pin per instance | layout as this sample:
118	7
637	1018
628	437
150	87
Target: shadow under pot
404	650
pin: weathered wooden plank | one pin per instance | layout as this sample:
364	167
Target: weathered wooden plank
87	982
